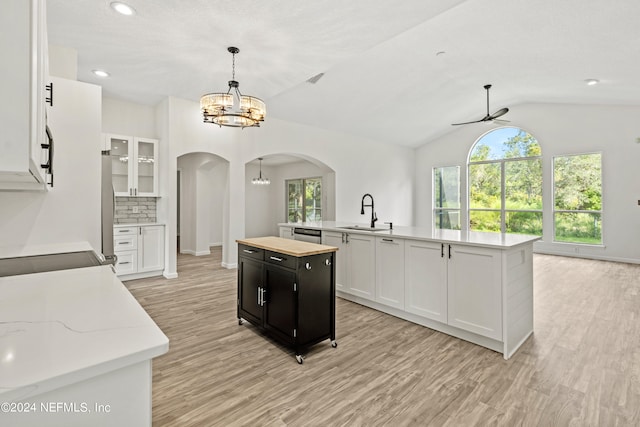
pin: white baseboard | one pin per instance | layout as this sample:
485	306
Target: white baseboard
168	275
230	265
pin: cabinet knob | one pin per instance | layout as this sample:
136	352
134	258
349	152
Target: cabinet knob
327	261
307	266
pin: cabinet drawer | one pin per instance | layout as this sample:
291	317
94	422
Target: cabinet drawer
127	262
125	231
125	243
251	252
280	259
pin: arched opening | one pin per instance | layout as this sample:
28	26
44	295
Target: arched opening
268	205
202	188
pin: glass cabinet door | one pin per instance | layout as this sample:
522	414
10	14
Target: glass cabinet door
146	167
121	166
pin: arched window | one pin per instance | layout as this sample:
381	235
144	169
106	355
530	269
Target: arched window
505	182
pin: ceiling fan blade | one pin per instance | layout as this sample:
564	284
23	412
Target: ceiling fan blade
501	112
467	123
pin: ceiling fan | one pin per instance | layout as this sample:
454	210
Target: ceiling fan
489	117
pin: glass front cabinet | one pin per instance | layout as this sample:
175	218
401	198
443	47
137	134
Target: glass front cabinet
134	165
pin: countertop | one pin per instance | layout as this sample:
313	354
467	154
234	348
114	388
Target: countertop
138	224
472	238
58	328
294	248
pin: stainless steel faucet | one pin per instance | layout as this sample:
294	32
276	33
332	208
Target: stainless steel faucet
374	218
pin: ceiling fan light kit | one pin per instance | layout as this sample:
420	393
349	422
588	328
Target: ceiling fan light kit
218	108
489	117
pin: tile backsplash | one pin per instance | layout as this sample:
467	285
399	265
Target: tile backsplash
126	207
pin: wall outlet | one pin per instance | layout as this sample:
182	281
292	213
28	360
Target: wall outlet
136	209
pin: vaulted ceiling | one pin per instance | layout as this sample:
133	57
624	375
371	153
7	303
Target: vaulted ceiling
398	72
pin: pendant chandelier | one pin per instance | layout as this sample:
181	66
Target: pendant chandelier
261	180
218	108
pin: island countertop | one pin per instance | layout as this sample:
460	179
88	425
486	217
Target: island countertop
294	248
63	327
472	238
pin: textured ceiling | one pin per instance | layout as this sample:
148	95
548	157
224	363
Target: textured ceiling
382	76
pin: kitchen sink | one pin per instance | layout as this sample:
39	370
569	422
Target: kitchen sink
363	228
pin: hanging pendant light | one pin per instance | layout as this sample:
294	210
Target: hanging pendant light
261	180
218	108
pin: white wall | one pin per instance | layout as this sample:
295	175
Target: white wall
126	118
560	130
70	211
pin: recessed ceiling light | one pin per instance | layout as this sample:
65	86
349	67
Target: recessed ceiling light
100	73
591	82
122	8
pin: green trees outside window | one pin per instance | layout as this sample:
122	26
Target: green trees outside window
446	197
304	200
577	195
505	183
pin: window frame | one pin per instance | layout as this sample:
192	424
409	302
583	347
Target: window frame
503	196
436	210
553	196
303	209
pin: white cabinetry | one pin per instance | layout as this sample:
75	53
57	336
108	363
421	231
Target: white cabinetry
390	273
140	250
355	263
23	45
134	165
475	290
426	279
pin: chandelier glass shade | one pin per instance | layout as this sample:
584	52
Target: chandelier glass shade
260	180
220	108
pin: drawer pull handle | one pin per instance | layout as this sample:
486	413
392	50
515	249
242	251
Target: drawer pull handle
387	240
124	262
247	251
123	243
327	261
275	258
307	266
123	231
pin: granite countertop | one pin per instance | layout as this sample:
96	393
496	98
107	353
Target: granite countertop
294	248
472	238
61	327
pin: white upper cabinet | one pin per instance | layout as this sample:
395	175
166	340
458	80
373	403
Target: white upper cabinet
23	85
134	165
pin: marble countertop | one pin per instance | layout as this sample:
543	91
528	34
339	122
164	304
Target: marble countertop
472	238
62	327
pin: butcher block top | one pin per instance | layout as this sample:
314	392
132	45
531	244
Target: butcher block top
294	248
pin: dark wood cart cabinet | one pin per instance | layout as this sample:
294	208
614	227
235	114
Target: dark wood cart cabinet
287	288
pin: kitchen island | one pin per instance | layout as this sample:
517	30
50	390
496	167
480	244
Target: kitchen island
75	350
287	289
472	285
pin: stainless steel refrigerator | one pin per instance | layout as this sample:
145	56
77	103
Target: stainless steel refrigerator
108	210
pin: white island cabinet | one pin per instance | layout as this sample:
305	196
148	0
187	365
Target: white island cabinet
76	351
474	286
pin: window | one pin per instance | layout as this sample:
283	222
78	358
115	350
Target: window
446	197
577	195
304	200
505	183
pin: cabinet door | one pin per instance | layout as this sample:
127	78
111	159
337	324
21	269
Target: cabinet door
390	271
361	265
249	282
146	167
336	239
279	302
475	290
286	232
426	279
121	151
151	248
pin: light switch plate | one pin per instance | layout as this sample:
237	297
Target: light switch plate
136	209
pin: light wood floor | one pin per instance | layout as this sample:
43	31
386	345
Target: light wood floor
581	367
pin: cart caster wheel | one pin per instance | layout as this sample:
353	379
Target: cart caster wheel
240	322
299	358
334	344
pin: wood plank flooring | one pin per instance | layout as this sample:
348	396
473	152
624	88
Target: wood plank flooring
580	368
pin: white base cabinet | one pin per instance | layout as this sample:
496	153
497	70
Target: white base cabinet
355	262
425	279
140	251
390	278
